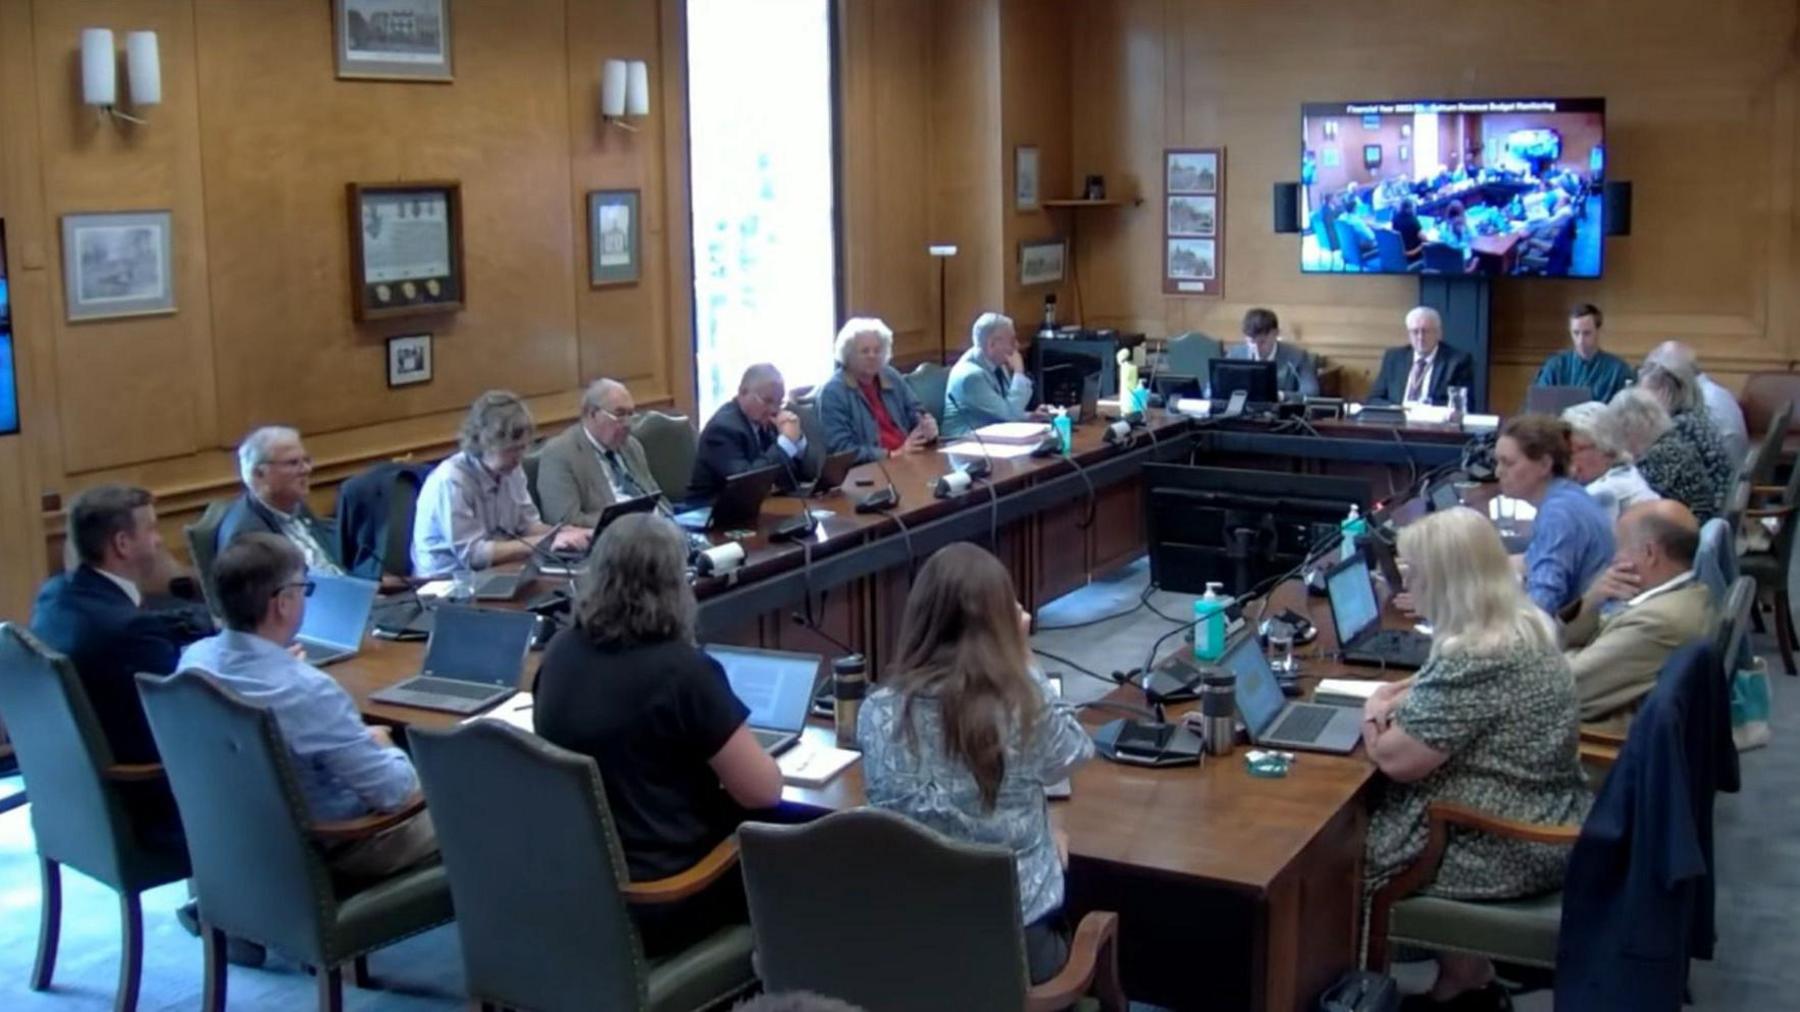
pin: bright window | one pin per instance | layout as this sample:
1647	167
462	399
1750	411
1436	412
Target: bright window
759	128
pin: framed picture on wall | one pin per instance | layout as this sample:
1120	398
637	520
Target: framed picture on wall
406	251
408	360
613	245
407	40
1041	261
1025	179
1194	227
117	264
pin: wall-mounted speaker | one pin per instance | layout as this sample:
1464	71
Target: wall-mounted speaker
1615	209
1287	207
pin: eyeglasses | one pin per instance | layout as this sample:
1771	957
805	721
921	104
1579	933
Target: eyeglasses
293	462
618	414
306	587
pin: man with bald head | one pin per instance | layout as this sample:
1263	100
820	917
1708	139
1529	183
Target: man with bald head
1424	371
1637	613
595	462
1721	404
751	431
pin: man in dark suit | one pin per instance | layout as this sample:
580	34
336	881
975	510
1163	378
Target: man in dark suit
1294	368
1424	370
277	476
751	431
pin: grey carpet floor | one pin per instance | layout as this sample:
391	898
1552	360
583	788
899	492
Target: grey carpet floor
1758	847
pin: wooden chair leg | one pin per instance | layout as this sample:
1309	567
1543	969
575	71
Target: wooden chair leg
359	974
131	951
212	941
49	923
1784	629
331	989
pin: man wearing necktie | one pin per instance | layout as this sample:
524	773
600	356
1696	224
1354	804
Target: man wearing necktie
750	432
594	462
988	384
1424	370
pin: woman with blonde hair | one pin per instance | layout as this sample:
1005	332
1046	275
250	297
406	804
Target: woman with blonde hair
1490	722
963	734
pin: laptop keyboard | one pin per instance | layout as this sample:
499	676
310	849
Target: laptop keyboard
1303	723
449	687
769	739
315	651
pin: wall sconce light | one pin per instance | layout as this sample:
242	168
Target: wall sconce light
624	92
99	71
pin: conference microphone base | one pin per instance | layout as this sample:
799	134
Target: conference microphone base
1147	743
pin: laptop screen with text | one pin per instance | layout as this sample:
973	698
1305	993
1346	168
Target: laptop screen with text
776	686
1259	697
1353	606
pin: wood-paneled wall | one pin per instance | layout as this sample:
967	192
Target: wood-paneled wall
1703	107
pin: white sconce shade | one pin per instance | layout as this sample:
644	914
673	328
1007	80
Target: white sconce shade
612	89
637	90
143	68
99	74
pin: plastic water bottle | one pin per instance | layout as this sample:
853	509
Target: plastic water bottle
1065	429
1352	528
1209	624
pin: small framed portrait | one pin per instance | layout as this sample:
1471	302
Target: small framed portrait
613	243
1041	262
408	360
1192	171
117	264
1025	179
1192	259
1197	216
387	40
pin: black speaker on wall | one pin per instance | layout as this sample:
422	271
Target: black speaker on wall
1287	207
1615	209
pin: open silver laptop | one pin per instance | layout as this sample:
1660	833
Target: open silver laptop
474	660
337	613
1272	720
777	687
504	585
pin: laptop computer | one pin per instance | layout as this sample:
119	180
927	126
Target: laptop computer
738	504
337	613
568	563
504	585
1357	617
776	685
1554	400
833	472
1272	720
473	660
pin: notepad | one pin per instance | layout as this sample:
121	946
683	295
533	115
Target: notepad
1346	691
1024	433
809	765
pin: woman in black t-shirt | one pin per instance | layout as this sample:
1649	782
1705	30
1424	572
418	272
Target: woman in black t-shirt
627	686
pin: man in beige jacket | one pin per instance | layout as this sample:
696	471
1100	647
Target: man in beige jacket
1647	604
595	462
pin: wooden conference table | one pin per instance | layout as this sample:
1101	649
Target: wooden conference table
1235	892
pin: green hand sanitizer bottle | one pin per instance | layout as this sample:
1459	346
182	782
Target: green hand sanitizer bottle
1209	624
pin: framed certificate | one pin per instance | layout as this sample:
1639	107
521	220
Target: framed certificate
406	251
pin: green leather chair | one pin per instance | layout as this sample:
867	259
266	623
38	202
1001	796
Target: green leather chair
857	906
554	932
1190	354
670	443
203	544
814	430
259	871
79	814
928	382
530	463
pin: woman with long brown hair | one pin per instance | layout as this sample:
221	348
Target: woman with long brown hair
963	734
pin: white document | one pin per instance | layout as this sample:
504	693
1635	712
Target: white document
519	711
1026	433
1428	414
993	451
809	765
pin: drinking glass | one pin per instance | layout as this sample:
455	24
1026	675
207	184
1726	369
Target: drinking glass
1281	648
1459	401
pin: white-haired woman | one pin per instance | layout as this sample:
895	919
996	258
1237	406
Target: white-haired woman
1490	722
1601	465
866	406
1636	422
1677	388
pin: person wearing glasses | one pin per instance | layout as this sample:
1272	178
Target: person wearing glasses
344	768
474	508
277	476
751	431
594	462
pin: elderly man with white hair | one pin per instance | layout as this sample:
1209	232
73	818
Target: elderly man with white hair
866	406
1600	464
277	475
988	384
1425	369
596	461
1721	404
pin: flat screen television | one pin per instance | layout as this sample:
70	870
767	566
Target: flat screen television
1500	187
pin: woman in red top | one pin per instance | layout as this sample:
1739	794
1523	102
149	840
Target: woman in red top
867	407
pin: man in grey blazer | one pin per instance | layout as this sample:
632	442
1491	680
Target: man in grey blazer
1295	371
595	462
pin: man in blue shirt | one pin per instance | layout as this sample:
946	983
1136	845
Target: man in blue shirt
988	384
1584	364
345	769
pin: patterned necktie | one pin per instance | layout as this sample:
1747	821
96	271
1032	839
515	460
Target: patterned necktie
1416	381
622	475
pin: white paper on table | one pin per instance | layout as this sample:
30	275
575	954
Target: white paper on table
1193	406
437	588
1359	687
810	765
1520	509
995	451
519	711
1024	433
1428	414
1480	423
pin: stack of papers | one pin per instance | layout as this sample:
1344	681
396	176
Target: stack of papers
1026	433
809	765
1346	691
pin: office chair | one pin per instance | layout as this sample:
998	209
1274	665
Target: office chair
203	545
670	444
928	381
1770	569
1190	354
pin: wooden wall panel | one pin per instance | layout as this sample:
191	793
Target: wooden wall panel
1711	151
969	176
1034	111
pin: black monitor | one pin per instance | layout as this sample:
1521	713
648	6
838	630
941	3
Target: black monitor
1062	367
1256	379
1171	385
1238	527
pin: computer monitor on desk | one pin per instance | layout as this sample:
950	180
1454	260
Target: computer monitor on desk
1256	379
1061	366
1238	527
1172	386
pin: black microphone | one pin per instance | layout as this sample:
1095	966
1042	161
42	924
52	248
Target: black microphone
803	525
883	498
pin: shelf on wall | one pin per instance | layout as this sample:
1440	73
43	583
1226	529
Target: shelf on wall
1089	203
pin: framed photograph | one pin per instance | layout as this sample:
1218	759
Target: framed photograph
1194	222
1331	158
406	250
1403	152
392	40
1372	156
1041	261
1193	215
117	264
408	360
1025	179
613	248
1371	121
